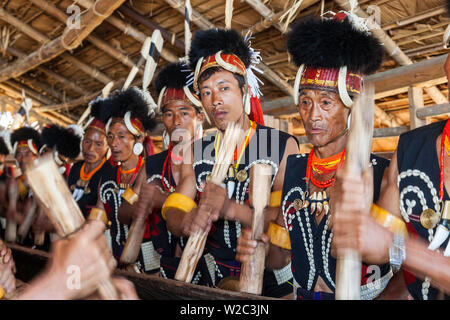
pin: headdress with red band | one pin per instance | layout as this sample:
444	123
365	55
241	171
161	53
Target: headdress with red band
26	137
333	54
171	84
228	50
130	107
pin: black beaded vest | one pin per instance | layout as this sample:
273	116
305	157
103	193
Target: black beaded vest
311	242
418	183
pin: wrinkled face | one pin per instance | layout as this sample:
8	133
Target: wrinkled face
120	141
222	98
181	120
24	157
324	115
94	146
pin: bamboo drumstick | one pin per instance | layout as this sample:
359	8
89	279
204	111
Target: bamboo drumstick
359	141
196	242
133	245
49	187
39	236
11	225
30	216
251	278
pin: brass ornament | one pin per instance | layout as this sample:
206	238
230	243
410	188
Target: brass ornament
241	175
429	218
298	204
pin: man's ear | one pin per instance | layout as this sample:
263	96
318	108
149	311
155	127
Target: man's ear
201	117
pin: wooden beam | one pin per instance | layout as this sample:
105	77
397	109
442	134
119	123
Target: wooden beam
147	22
415	96
42	38
54	11
69	40
267	13
432	111
392	48
129	30
204	23
64	81
44	117
417	17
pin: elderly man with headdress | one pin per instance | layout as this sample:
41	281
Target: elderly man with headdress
223	62
333	55
128	116
183	116
87	177
415	193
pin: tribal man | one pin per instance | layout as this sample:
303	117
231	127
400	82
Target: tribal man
183	116
223	63
332	56
127	117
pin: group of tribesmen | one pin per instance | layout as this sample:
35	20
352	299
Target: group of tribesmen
396	215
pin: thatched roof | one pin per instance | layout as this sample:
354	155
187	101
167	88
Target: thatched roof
61	82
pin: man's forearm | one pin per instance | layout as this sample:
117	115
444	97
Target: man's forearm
174	221
427	263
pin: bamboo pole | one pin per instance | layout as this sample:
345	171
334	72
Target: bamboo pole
69	40
30	215
51	190
196	242
251	278
359	142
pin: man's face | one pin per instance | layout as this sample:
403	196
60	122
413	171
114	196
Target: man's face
324	115
181	119
222	98
24	157
120	141
94	146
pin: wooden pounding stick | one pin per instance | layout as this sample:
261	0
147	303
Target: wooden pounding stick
359	141
252	271
196	242
50	188
30	216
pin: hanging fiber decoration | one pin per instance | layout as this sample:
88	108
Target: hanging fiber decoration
228	13
187	26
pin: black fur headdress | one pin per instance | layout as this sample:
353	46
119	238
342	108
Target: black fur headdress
331	44
173	75
208	42
120	102
26	133
66	142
